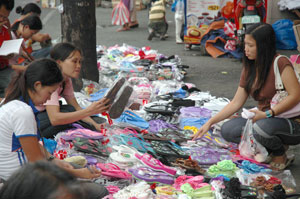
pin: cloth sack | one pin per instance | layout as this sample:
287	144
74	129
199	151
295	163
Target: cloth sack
281	93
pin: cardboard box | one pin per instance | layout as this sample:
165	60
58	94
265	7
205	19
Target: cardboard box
296	28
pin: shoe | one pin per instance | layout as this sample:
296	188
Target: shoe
282	166
162	38
134	25
119	105
151	35
112	93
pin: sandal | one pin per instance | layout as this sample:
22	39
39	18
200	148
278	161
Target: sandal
189	165
281	166
119	105
168	149
89	146
151	176
113	91
164	109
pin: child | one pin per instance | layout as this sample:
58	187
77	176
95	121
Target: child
157	20
26	28
43	38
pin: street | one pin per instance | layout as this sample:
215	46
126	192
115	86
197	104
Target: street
218	76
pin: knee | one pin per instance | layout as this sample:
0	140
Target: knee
225	132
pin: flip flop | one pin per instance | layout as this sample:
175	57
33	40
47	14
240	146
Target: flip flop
154	164
151	176
112	93
119	105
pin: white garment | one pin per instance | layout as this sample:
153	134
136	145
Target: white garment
289	4
16	120
179	20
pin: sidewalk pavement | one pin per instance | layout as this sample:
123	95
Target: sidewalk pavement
218	76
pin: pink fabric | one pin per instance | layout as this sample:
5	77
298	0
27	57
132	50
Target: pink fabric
229	29
68	93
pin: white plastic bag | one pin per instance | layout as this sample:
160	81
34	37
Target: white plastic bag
249	147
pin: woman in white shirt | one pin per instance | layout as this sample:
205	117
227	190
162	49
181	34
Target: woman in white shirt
18	123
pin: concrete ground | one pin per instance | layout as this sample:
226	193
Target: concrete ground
218	76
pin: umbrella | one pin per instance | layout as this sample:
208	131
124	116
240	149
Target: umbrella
120	14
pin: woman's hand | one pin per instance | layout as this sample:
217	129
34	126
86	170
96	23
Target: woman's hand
62	164
99	106
99	127
258	114
204	129
88	173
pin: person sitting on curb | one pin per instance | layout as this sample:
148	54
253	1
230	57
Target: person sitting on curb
43	38
25	29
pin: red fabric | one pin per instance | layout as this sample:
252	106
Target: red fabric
4	36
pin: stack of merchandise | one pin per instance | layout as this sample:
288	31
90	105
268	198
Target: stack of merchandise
146	150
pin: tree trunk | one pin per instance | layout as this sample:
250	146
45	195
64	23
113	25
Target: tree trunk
79	27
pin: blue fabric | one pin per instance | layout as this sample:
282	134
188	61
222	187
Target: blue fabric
196	122
98	95
50	145
285	37
41	53
180	93
133	119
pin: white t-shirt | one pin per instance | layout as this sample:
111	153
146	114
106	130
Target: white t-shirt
16	120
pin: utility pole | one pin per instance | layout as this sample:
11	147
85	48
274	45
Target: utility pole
79	27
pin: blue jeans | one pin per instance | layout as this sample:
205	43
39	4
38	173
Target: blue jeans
272	133
41	53
5	76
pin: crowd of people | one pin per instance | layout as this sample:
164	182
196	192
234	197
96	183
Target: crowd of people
30	107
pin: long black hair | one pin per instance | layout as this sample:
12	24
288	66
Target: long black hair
44	70
33	21
28	8
42	179
8	4
265	38
62	51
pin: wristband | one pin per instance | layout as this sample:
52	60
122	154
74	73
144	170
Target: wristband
269	113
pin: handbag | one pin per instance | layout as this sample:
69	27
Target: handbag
281	93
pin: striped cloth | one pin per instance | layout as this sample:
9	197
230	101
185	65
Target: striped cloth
157	11
120	14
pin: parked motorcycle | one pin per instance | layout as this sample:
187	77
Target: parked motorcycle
248	12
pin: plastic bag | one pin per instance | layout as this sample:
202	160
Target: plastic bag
285	37
249	147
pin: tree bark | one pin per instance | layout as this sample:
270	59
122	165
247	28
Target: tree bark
79	27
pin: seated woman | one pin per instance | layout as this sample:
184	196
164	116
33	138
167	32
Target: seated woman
59	117
25	29
43	38
258	81
18	123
